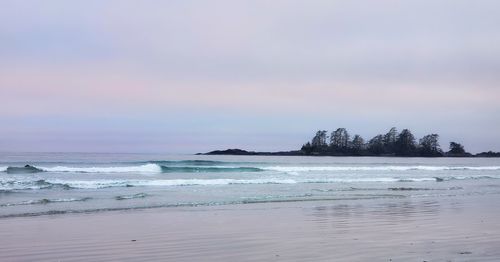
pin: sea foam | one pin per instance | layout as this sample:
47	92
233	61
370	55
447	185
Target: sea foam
197	168
107	183
147	168
45	201
375	168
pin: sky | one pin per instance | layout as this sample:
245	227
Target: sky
191	76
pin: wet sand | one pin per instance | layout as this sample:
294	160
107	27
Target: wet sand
460	228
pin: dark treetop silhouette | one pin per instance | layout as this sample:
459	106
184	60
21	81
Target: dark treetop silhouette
339	143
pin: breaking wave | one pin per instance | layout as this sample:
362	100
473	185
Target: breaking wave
376	168
45	201
98	184
190	169
191	162
138	195
146	168
204	166
11	185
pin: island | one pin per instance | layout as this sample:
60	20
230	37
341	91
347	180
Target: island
392	143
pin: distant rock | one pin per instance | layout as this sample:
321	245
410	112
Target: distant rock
23	170
241	152
235	151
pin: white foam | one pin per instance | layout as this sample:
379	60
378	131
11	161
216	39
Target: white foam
294	169
349	180
147	168
94	184
45	201
480	168
13	184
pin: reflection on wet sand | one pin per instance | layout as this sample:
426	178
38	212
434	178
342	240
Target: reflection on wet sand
405	229
407	210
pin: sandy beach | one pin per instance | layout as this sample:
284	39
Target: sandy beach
459	228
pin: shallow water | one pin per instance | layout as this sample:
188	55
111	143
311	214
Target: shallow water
74	183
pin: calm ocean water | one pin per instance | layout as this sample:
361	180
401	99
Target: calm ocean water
59	183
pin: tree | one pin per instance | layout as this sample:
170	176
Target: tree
358	144
307	148
390	140
429	146
456	149
319	140
405	144
339	139
376	145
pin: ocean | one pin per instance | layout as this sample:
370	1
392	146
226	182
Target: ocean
62	183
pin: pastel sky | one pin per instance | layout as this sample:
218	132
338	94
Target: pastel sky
190	76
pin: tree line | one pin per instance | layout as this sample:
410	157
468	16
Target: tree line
393	143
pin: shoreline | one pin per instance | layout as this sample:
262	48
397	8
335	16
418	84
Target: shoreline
428	228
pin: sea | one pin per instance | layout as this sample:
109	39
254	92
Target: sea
35	184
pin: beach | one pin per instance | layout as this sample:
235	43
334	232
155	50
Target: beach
464	228
231	131
143	207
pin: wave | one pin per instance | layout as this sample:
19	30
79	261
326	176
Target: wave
375	168
204	166
190	162
190	169
46	201
98	184
146	168
408	189
173	182
11	185
138	195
